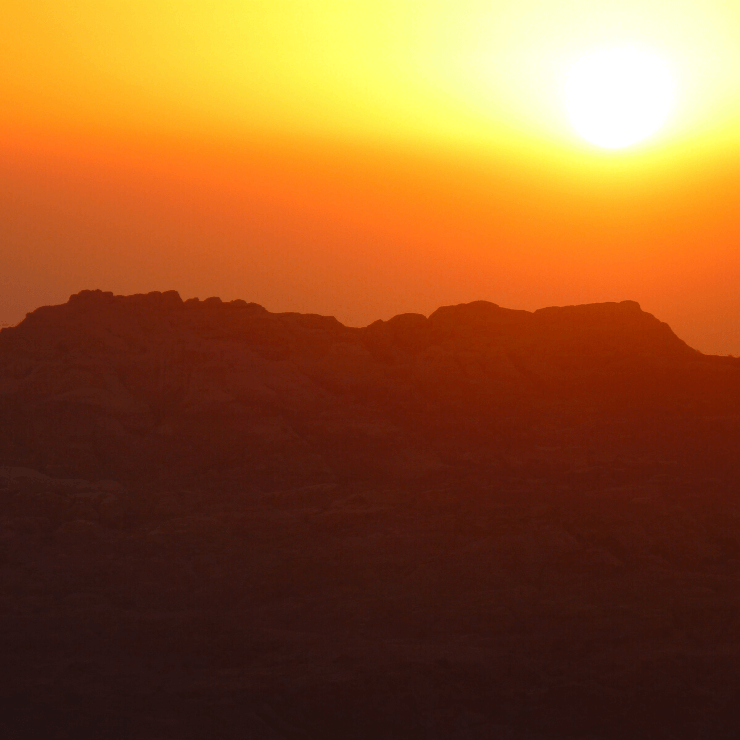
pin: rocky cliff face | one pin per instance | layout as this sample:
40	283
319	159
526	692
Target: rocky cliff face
218	522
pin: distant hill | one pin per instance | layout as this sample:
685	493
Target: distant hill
220	523
136	387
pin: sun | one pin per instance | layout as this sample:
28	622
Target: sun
617	96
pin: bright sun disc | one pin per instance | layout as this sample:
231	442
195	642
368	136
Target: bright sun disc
618	96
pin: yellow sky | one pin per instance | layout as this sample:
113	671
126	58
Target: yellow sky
364	157
467	71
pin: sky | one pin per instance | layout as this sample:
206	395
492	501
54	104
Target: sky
363	159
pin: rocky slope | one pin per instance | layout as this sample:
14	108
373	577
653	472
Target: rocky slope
218	522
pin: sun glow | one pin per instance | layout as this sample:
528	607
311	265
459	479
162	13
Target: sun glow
618	96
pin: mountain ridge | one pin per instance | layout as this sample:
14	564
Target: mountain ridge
148	372
485	524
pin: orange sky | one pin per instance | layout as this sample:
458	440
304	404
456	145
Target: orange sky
363	161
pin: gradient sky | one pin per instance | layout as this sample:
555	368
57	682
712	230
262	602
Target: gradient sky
364	159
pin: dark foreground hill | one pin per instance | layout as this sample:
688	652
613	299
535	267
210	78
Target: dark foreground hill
218	522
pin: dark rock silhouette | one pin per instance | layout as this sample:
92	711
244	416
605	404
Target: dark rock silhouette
129	387
219	522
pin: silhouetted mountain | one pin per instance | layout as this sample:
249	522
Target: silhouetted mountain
219	522
149	385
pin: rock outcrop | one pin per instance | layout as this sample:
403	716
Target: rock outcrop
140	386
219	522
